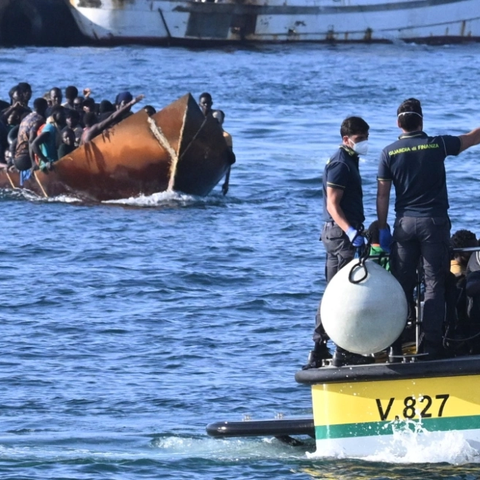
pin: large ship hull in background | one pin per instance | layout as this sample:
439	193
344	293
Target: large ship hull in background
236	21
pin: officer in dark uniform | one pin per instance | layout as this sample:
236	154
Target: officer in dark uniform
343	197
343	214
415	165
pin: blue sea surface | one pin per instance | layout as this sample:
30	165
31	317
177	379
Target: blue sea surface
127	327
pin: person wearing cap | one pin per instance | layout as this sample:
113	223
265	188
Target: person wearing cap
344	216
121	100
415	165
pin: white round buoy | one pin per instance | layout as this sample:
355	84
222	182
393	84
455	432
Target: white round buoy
364	317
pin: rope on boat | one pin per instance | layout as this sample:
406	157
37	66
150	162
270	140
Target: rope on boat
40	184
194	138
162	140
10	179
459	340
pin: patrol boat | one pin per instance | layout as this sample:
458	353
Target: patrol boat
359	409
235	21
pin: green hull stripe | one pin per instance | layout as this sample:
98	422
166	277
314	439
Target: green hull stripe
369	429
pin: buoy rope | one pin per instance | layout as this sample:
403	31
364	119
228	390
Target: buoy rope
363	253
458	340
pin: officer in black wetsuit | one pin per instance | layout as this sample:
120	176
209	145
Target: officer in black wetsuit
415	165
343	214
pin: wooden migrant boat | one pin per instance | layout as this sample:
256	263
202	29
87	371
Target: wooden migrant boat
178	149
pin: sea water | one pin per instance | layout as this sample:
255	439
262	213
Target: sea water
128	326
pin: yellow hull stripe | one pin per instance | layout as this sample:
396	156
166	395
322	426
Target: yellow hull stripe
375	403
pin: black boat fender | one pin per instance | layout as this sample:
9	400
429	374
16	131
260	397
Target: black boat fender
280	428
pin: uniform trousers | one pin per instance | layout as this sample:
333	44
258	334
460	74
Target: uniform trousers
340	251
428	239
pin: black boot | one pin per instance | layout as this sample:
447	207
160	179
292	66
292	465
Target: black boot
317	356
341	358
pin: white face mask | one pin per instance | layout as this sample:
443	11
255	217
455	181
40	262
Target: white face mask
361	147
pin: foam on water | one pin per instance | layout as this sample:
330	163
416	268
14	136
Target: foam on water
418	445
232	448
62	199
411	443
156	199
422	446
168	198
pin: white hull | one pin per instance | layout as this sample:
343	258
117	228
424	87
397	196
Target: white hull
164	21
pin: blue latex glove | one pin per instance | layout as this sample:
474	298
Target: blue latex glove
356	239
385	239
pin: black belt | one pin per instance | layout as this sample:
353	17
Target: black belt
331	223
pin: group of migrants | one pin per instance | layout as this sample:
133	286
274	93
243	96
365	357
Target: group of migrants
420	242
38	135
34	137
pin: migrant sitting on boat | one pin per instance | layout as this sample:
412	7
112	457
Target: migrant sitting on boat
100	152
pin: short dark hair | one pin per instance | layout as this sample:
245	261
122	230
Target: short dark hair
150	110
56	90
24	87
410	115
66	129
69	131
71	92
106	106
205	95
89	102
58	114
40	105
13	90
373	232
464	239
353	126
70	113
